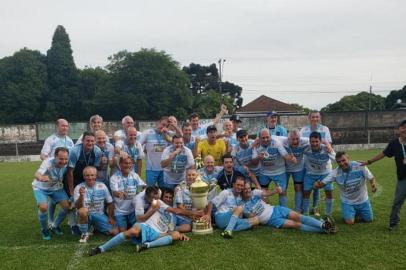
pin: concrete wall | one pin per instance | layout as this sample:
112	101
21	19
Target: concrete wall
18	133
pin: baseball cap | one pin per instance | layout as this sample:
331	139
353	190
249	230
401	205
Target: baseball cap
241	133
235	117
272	113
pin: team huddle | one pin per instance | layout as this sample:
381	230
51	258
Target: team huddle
98	185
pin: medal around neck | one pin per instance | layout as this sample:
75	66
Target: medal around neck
198	193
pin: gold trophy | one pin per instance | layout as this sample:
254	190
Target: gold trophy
198	193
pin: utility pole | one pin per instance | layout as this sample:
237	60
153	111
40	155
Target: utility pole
221	71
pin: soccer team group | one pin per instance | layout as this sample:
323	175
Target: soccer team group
98	185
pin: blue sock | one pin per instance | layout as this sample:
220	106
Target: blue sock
43	220
116	240
329	207
308	228
231	223
162	241
306	203
316	198
243	224
298	201
61	216
51	211
283	201
311	221
83	228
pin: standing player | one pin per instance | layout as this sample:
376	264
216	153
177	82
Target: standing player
351	178
107	157
48	183
95	124
121	134
188	139
296	146
59	139
317	160
200	130
175	160
280	216
155	141
272	125
125	184
314	125
90	198
396	149
271	156
209	172
131	148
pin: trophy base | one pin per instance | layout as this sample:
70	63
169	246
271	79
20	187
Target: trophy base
202	228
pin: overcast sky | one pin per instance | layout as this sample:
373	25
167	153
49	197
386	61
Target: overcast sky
306	52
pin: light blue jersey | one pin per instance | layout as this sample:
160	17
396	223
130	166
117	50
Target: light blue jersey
210	178
95	197
191	144
257	207
274	163
103	170
243	157
318	162
201	130
141	205
121	135
278	130
226	201
175	173
54	141
77	151
297	152
323	130
129	184
154	144
135	152
352	184
162	220
55	175
183	197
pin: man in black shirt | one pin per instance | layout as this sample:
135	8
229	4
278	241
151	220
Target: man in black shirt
228	175
397	149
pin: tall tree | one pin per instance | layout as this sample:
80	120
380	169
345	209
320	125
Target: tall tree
206	78
62	79
23	82
394	96
358	102
146	84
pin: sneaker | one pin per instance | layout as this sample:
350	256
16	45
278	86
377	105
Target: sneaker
45	234
227	234
75	230
83	238
94	251
315	212
332	225
57	230
141	247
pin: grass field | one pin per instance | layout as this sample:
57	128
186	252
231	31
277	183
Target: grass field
366	246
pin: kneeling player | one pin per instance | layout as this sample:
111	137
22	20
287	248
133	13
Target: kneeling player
48	183
280	216
351	178
157	230
90	198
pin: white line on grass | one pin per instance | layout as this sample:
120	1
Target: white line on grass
43	246
77	255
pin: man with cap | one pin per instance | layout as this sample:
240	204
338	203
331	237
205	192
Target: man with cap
212	146
273	126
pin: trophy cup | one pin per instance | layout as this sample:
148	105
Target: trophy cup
198	193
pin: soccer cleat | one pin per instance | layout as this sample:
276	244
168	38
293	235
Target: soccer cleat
227	234
91	230
75	230
83	238
57	230
330	223
94	251
141	247
45	234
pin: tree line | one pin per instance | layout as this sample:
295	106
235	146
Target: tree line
146	84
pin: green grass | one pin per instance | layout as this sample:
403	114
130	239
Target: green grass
360	246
